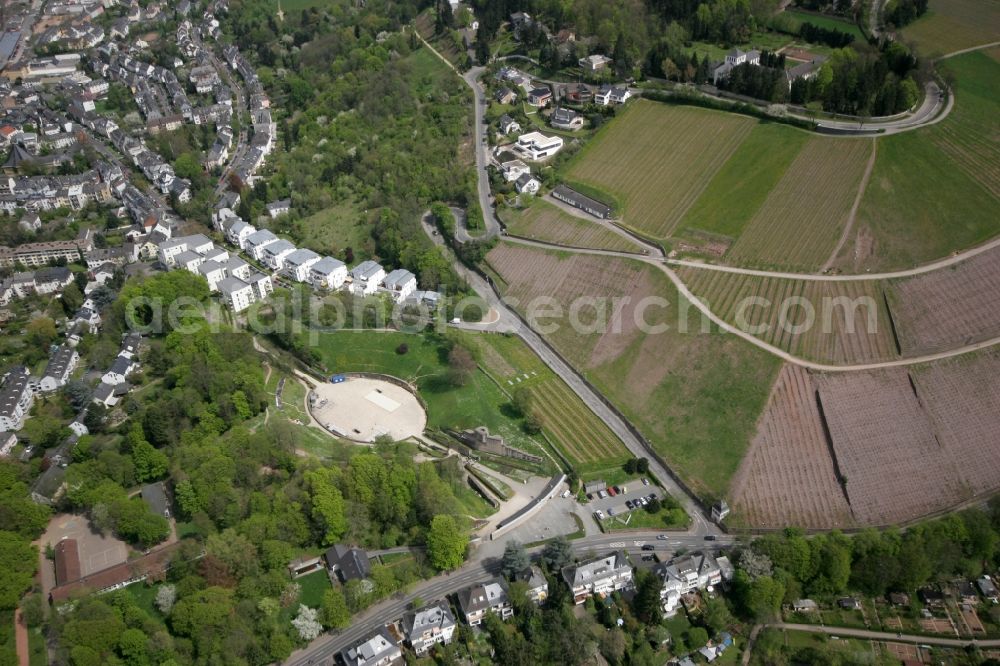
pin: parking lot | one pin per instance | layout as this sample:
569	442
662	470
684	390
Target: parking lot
617	505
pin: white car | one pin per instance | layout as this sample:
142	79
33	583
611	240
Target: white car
661	537
599	514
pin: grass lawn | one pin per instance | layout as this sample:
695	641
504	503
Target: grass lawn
313	587
762	40
951	25
657	159
828	22
547	222
642	519
38	654
479	402
740	187
145	596
332	229
568	422
936	190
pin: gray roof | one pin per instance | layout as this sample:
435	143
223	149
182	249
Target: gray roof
597	569
231	285
327	265
369	650
13	389
121	366
261	236
59	361
300	256
365	270
211	265
434	615
353	563
398	278
482	596
278	247
187	256
53	274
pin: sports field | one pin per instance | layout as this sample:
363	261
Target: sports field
935	190
799	223
951	25
580	436
658	159
547	222
693	392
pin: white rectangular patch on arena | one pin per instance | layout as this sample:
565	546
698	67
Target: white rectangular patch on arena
380	399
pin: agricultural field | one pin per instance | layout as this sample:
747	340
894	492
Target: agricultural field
547	222
801	220
885	448
962	397
694	392
952	25
935	190
580	436
788	476
658	159
850	325
948	308
740	187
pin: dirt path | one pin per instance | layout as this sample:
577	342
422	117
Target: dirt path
682	288
884	635
21	639
849	226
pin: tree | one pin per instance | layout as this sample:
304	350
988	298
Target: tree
557	553
77	392
514	561
327	505
41	331
461	365
72	298
613	645
335	613
166	597
654	505
306	623
18	559
716	614
446	543
647	598
696	637
33	610
149	463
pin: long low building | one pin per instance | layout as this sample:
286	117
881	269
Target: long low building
584	203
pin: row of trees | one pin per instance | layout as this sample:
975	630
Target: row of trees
781	568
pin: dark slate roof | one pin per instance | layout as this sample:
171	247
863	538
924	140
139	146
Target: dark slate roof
352	562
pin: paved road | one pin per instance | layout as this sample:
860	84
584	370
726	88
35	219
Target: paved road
886	636
324	648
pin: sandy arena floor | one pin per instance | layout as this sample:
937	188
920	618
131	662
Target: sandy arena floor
362	409
97	552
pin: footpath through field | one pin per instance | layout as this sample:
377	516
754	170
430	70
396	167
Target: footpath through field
885	636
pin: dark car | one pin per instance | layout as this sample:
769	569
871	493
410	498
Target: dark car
710	537
649	546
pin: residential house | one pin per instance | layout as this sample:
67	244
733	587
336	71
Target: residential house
527	184
805	606
279	208
566	119
62	361
400	283
239	231
328	273
734	59
366	277
255	243
849	603
507	125
188	260
594	63
16	399
899	599
261	284
298	263
805	70
378	649
426	627
539	96
109	394
274	254
505	96
612	95
535	146
120	369
236	293
584	203
348	563
213	272
598	577
695	571
513	170
52	280
236	267
477	600
538	585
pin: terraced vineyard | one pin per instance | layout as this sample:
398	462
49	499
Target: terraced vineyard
659	159
788	476
547	222
800	222
850	324
580	436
